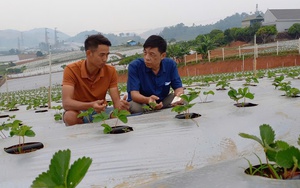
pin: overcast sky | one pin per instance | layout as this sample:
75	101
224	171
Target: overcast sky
116	16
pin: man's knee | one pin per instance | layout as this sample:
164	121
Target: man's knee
70	118
135	107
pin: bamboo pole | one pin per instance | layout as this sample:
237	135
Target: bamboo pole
223	53
255	56
50	79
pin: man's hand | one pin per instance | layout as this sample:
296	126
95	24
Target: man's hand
99	106
152	99
124	104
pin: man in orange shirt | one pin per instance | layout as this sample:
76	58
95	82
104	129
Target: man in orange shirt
86	82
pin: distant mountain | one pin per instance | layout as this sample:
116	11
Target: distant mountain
31	39
180	32
28	39
9	39
146	34
114	39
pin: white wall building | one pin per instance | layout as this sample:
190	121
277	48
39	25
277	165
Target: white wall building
283	19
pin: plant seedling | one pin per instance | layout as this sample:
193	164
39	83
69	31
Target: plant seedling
223	83
278	151
86	113
16	129
6	125
150	107
119	114
60	173
289	91
241	93
277	81
186	106
58	114
206	93
250	80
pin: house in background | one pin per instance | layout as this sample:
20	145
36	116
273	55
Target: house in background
283	19
131	43
252	19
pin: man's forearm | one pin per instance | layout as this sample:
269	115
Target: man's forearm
76	105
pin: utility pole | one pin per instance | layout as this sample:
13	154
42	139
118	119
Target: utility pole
255	56
47	39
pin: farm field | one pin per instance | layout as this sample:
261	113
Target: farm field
162	151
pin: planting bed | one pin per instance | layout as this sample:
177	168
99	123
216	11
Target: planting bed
162	151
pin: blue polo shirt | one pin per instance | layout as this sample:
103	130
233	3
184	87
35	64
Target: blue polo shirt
142	79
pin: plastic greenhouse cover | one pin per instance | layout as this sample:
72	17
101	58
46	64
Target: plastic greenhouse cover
162	151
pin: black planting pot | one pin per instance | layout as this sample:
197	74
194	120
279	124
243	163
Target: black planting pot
13	109
41	111
120	129
189	115
247	104
25	148
266	173
4	116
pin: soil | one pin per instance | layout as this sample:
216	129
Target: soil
265	172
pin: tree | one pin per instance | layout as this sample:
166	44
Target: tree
177	51
205	45
294	30
266	32
126	60
39	54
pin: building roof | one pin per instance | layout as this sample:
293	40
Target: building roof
283	14
253	17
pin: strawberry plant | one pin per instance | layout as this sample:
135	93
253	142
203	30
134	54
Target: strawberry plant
249	80
206	93
87	113
277	81
187	104
241	93
60	173
223	83
58	112
17	129
284	157
119	114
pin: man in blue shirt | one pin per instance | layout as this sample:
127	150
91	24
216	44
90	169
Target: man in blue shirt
150	78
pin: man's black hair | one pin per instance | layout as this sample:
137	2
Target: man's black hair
92	42
156	41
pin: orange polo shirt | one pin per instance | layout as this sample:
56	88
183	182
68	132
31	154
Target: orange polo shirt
86	90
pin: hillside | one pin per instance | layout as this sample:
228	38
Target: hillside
12	39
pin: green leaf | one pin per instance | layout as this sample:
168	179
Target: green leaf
59	166
100	117
285	158
106	129
123	118
184	97
43	180
179	108
267	134
208	92
77	171
249	95
30	133
281	145
245	135
59	175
